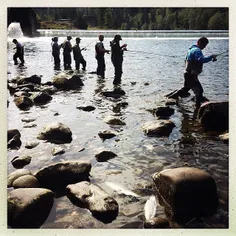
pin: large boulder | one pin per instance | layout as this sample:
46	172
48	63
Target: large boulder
40	97
186	193
92	197
214	116
62	81
158	128
23	102
29	207
56	133
59	175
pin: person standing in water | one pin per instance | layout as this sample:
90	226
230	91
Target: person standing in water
19	53
117	57
78	57
194	64
100	51
56	52
67	48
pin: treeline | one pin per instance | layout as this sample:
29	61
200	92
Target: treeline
139	18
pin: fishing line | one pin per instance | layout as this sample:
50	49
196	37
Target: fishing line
157	54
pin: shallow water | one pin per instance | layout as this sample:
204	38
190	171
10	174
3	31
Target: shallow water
152	68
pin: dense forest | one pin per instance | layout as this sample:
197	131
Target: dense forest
134	18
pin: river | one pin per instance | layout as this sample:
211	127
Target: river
152	67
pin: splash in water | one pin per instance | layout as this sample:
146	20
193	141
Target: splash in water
14	30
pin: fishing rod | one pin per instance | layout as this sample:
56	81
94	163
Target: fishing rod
222	53
84	48
157	54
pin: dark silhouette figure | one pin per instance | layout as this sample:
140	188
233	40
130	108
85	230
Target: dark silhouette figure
56	52
67	48
78	57
19	53
117	57
100	51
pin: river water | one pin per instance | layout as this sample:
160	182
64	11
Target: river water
152	68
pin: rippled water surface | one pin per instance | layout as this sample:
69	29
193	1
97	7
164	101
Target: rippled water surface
152	68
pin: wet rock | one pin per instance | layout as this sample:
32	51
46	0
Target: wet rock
21	93
59	175
35	79
19	162
214	116
156	223
27	120
29	207
102	207
75	82
118	106
107	134
31	144
164	112
14	143
26	181
29	126
158	128
105	156
62	81
185	193
40	97
57	151
25	87
16	174
224	137
115	121
11	133
23	102
56	133
171	101
86	108
116	93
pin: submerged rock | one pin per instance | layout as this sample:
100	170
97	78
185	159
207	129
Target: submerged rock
158	128
56	133
102	207
57	151
20	161
59	175
214	116
105	156
116	93
164	112
86	108
29	207
14	143
156	223
107	134
31	144
186	193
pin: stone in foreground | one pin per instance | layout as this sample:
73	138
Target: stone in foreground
158	128
29	207
186	193
102	207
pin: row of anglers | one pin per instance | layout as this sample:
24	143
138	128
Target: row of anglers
194	62
116	55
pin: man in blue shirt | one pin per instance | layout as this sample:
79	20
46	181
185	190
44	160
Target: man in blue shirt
194	65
